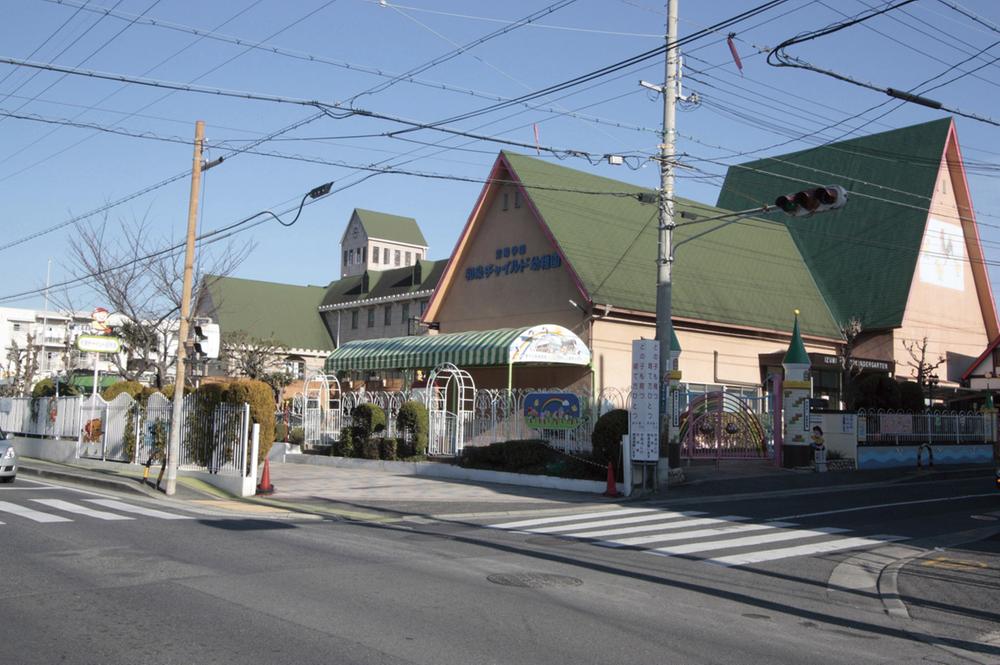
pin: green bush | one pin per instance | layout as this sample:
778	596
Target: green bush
261	400
131	388
412	422
201	439
607	436
370	449
47	388
297	436
368	419
531	456
911	397
344	447
877	391
280	429
388	449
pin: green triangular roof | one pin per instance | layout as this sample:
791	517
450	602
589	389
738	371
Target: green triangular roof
747	274
796	354
284	312
863	255
395	228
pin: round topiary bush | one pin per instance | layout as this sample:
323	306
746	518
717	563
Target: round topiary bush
911	397
412	422
47	388
607	437
297	436
367	419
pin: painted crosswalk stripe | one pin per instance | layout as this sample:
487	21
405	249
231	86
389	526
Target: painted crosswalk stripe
724	530
568	518
745	541
138	510
28	513
803	550
80	510
648	517
663	526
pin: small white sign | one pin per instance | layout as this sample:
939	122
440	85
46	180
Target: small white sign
98	344
644	417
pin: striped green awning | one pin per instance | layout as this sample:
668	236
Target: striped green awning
478	348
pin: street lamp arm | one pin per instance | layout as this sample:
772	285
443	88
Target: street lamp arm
739	215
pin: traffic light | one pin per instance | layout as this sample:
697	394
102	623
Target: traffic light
206	339
810	201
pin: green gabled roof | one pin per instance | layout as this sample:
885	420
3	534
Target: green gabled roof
796	354
863	255
421	276
746	274
284	312
395	228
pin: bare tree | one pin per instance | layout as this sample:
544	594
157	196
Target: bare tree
923	369
849	372
21	367
138	276
249	356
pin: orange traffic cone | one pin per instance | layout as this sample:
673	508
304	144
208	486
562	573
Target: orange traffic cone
265	486
612	490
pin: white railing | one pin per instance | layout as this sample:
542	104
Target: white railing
935	427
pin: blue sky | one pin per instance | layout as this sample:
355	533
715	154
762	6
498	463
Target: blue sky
330	51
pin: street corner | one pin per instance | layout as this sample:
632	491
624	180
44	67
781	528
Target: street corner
252	508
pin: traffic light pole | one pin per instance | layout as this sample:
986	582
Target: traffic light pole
665	257
174	445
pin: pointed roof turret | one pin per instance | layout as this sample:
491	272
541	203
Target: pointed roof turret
675	344
796	354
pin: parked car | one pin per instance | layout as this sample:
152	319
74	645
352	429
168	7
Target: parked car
8	458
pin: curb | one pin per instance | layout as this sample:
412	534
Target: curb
94	481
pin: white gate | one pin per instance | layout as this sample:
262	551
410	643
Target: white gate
322	413
451	402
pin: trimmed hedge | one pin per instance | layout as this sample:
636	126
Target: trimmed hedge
530	456
344	447
131	388
261	400
607	436
47	388
368	419
413	422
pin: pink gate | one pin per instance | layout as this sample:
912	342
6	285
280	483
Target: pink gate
721	425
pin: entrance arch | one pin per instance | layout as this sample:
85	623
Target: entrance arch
322	415
450	400
720	425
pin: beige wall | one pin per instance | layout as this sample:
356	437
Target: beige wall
738	357
944	302
508	300
397	328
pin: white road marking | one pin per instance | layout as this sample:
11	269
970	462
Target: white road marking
568	518
665	526
81	510
883	505
28	513
138	510
690	535
802	550
746	541
649	517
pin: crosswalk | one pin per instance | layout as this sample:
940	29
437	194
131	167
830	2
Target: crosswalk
728	540
51	511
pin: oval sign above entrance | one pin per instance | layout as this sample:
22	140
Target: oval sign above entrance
549	343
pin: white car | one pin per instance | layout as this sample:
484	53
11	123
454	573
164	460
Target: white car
8	458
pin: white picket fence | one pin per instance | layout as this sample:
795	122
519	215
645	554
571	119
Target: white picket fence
213	437
934	427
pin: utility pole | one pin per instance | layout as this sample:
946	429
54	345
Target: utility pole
665	257
174	445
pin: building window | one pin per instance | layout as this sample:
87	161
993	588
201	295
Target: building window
387	320
396	257
374	254
423	307
385	255
506	205
17	327
371	317
517	198
345	257
406	314
364	254
407	259
354	319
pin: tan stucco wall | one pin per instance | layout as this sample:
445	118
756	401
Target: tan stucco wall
739	361
951	319
509	300
398	327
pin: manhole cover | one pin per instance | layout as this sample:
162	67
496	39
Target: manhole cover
533	580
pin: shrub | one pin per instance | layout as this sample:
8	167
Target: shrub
261	400
388	449
297	436
131	388
529	456
47	388
368	419
370	449
413	423
344	446
877	391
280	429
607	436
911	396
201	439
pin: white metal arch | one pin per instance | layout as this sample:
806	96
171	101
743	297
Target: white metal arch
451	404
321	413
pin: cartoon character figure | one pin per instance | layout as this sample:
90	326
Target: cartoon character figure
819	448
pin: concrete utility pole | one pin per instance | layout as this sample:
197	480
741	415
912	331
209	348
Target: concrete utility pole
665	257
174	446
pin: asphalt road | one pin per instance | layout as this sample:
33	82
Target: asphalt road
89	577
